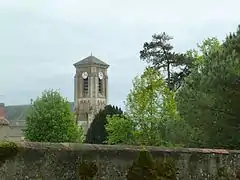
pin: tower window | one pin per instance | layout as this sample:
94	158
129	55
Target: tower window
85	85
100	88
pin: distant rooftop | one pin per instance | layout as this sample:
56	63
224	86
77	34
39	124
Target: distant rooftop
18	113
91	60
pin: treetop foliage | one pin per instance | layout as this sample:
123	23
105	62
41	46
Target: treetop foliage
194	105
210	96
97	133
150	108
51	120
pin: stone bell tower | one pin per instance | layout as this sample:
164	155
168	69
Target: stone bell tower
90	89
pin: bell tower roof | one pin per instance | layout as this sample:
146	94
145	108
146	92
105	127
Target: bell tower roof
91	60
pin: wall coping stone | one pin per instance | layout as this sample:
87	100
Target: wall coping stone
129	148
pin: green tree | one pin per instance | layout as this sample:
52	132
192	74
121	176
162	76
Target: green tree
159	53
209	99
150	105
97	133
150	110
120	130
199	55
51	120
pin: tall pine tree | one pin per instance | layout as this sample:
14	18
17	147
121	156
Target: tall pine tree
159	53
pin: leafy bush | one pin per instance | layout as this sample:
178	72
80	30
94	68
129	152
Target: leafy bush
51	120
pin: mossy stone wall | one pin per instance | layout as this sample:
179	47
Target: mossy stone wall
63	161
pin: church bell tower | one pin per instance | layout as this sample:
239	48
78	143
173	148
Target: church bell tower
90	89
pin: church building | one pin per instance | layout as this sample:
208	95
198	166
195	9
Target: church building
90	89
90	96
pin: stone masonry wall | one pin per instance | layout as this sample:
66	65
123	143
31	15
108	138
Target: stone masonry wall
44	161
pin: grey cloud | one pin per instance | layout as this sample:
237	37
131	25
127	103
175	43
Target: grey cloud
37	50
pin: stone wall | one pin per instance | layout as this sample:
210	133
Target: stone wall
11	133
43	161
4	129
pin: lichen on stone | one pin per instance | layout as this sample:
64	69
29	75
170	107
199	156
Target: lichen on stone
87	170
145	168
166	168
226	173
142	168
8	150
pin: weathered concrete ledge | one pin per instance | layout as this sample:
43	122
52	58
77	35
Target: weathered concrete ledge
97	147
58	161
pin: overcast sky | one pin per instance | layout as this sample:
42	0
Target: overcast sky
41	39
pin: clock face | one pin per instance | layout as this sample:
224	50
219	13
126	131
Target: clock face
100	75
84	75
